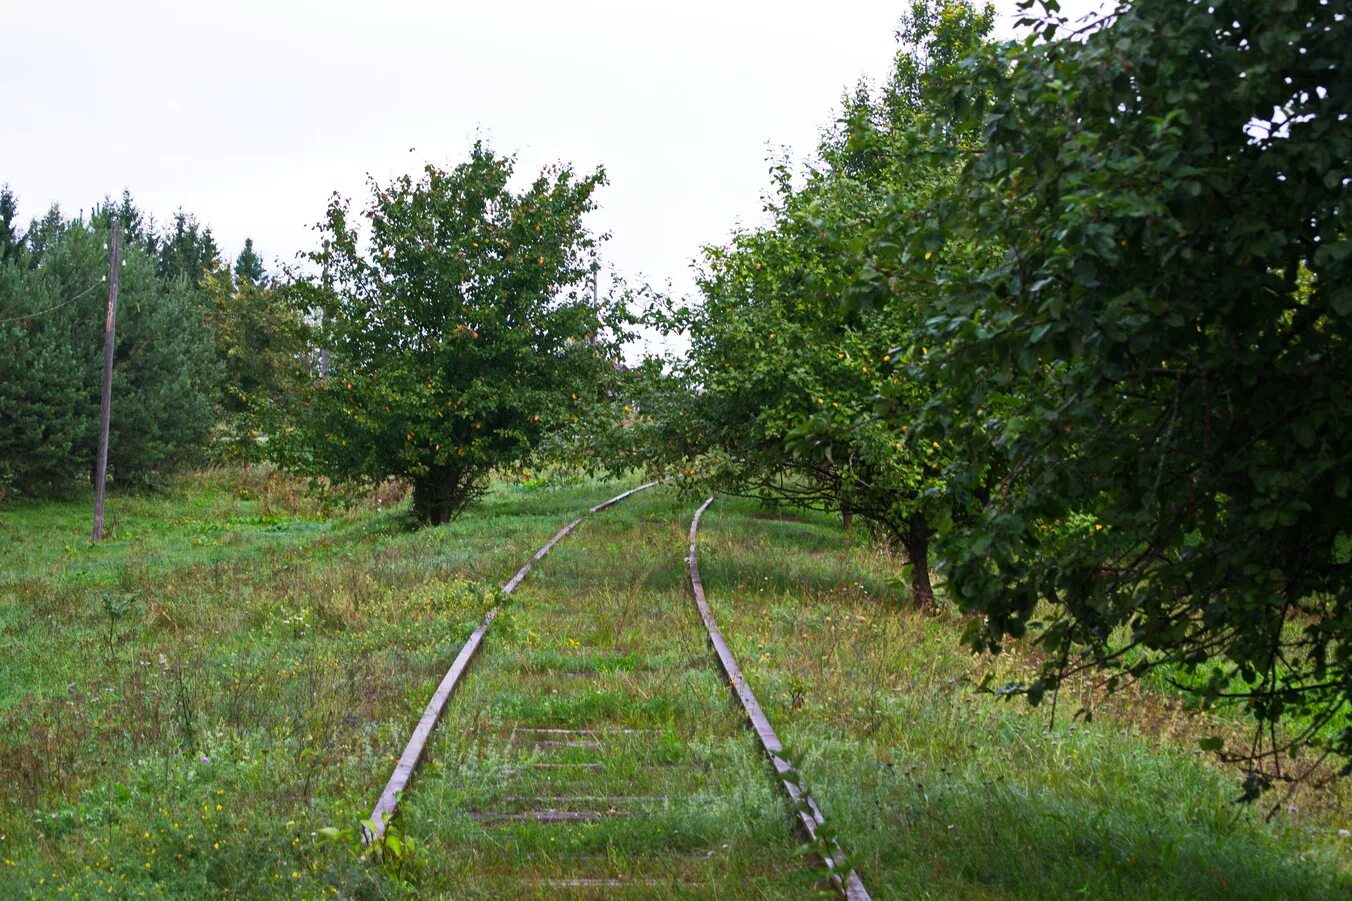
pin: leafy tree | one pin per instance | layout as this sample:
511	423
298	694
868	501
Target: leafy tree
775	355
249	265
790	379
1161	356
260	340
459	335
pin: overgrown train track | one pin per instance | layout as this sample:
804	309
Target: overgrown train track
408	762
594	757
809	813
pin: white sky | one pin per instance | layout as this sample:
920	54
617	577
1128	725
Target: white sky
249	114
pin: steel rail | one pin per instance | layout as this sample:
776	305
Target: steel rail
374	829
809	814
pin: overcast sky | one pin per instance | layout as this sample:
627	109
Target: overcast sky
249	114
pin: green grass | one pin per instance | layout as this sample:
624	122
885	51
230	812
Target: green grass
937	793
183	706
602	640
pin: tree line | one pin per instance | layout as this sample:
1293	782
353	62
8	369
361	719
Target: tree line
194	339
1066	318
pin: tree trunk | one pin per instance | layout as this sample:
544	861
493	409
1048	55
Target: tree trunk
915	540
438	495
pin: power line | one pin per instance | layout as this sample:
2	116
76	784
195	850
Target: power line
64	303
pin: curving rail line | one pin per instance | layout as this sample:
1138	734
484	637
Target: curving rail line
413	751
809	815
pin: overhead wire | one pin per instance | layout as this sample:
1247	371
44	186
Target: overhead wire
64	303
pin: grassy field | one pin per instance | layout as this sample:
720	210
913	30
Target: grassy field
186	707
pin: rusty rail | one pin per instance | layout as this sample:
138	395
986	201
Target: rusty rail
809	815
375	828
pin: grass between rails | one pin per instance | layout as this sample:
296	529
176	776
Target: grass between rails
182	706
594	750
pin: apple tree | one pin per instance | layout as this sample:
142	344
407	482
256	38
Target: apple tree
458	330
1160	357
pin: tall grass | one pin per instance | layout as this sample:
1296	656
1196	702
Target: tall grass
185	707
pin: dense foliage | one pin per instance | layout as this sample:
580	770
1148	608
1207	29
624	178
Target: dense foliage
1135	351
165	376
458	334
260	341
1076	307
791	343
1166	342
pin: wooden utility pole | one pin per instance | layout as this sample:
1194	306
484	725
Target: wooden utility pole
324	351
109	339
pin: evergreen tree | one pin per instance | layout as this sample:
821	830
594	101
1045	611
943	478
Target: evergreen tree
44	395
165	373
249	265
136	228
44	233
166	378
187	250
11	240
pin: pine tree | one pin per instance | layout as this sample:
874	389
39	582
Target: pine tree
44	394
249	266
43	234
187	250
135	227
165	375
11	240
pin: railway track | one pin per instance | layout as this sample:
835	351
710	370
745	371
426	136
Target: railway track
809	814
413	751
595	753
